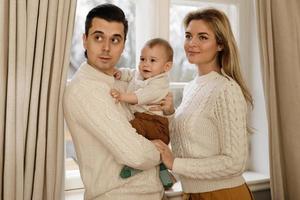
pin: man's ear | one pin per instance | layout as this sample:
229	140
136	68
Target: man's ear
168	66
84	40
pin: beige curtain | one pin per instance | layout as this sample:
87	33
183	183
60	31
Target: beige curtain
35	36
279	32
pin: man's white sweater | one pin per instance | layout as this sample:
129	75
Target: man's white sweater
209	134
105	141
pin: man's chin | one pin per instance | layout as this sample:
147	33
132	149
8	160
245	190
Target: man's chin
105	68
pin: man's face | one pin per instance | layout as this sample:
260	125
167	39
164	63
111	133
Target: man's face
104	44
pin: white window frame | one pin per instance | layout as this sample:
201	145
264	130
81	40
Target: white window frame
157	25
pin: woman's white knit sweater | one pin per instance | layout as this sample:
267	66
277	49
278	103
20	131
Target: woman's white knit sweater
209	134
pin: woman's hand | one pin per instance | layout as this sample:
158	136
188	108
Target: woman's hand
165	152
166	105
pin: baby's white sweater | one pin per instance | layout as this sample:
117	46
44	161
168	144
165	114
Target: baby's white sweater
209	134
148	91
105	141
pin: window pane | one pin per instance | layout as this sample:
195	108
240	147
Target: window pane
182	70
77	50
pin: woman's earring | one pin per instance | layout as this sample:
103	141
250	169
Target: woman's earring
220	48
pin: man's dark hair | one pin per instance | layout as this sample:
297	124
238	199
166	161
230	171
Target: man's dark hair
108	12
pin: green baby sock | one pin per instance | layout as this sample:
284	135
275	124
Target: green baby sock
165	176
127	172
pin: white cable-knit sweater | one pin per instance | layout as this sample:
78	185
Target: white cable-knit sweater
209	134
105	141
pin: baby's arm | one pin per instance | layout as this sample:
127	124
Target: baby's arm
126	74
124	97
117	74
153	92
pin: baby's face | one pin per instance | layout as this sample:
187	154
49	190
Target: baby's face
153	61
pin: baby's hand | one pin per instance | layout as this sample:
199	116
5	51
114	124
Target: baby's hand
115	94
117	74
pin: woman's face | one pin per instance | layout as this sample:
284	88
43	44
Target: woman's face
200	44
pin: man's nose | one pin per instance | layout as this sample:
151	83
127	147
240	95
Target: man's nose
106	45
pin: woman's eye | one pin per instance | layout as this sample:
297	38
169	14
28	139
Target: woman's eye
202	38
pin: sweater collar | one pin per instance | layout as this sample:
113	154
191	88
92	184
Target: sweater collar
207	77
139	76
95	74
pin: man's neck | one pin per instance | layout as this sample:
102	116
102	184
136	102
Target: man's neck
109	72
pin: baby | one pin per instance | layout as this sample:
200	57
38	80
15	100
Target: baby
148	86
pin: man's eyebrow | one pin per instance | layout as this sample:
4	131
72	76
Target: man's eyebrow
102	33
96	31
117	35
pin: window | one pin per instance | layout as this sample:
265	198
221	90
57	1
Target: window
155	18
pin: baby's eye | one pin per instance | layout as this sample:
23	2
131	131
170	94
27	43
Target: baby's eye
142	59
152	60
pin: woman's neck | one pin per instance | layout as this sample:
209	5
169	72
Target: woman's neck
202	70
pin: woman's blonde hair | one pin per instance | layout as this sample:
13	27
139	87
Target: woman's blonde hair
229	56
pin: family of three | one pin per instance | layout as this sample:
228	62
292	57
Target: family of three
122	120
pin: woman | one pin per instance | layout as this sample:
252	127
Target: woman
209	132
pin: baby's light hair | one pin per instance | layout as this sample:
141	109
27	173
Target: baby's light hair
164	43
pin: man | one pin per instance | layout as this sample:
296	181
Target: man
104	139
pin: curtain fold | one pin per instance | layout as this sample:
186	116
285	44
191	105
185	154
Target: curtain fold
36	36
3	82
279	25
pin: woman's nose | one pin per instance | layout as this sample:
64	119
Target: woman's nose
192	42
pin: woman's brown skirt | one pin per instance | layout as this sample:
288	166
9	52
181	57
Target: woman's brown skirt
237	193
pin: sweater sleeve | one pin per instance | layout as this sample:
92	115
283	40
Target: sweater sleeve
230	111
98	115
153	92
127	74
